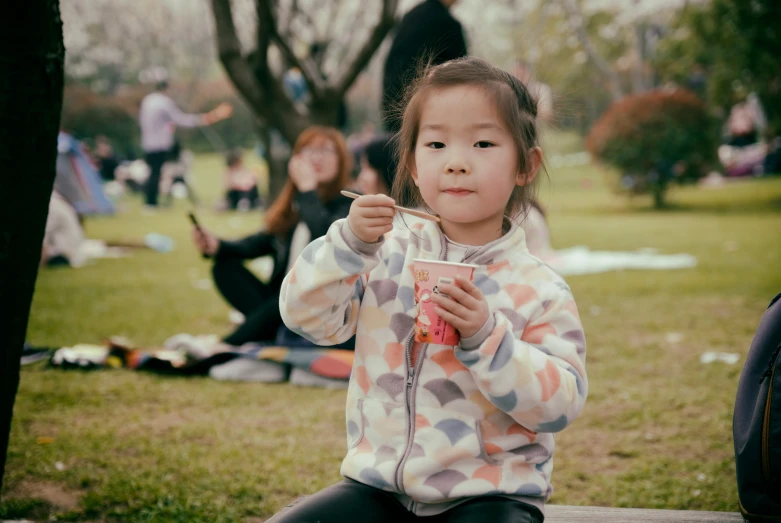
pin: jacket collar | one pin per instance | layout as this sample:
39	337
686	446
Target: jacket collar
504	249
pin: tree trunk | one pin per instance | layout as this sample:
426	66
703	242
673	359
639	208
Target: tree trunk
658	188
31	83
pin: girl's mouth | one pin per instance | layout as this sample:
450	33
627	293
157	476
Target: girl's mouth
458	192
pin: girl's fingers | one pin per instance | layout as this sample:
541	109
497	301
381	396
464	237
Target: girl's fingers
449	317
377	212
378	227
451	306
459	295
469	287
375	200
376	221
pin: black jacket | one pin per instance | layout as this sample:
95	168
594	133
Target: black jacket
317	216
428	30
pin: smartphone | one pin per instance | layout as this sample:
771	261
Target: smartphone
194	220
197	225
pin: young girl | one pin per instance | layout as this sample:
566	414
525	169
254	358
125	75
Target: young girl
446	433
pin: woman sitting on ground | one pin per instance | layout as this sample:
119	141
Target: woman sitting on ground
308	204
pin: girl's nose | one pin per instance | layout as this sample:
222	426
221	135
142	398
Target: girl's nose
457	166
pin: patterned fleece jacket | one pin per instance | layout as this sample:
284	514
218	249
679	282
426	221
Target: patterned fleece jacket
472	420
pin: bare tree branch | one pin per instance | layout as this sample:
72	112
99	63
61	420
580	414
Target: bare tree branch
576	22
229	50
284	25
314	79
352	70
262	38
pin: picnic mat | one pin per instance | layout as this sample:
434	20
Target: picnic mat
328	363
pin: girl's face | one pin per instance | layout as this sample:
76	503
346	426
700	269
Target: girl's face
368	180
323	155
465	163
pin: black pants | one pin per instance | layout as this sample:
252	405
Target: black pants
155	161
359	503
234	196
742	140
257	301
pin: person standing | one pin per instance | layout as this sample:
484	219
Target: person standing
159	117
427	31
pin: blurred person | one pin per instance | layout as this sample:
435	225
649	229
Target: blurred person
356	142
427	32
106	158
308	204
64	236
241	184
159	117
378	167
295	85
746	120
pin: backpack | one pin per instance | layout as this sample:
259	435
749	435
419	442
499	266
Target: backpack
756	423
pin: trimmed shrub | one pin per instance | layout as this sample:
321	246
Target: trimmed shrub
654	138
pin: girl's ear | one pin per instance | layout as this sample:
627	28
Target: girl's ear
413	170
535	161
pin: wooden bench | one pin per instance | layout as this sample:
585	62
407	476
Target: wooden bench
571	514
577	514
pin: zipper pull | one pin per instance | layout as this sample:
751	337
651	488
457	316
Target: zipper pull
769	369
410	376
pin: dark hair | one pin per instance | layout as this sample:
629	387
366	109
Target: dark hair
381	156
281	216
233	157
513	100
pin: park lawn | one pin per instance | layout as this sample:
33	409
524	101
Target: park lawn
656	430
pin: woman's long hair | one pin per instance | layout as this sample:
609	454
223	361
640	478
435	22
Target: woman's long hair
281	216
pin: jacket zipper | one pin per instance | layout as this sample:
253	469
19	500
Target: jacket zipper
765	450
412	374
770	364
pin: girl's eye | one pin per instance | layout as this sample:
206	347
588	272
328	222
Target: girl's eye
436	145
484	145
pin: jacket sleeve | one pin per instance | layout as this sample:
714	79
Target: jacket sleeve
251	247
540	379
322	293
317	216
180	118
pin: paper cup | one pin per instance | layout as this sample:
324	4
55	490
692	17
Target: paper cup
429	274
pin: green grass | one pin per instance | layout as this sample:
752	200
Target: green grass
656	431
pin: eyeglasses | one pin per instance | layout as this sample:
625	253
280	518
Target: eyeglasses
325	151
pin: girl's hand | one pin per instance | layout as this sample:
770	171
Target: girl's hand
466	309
303	175
371	216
